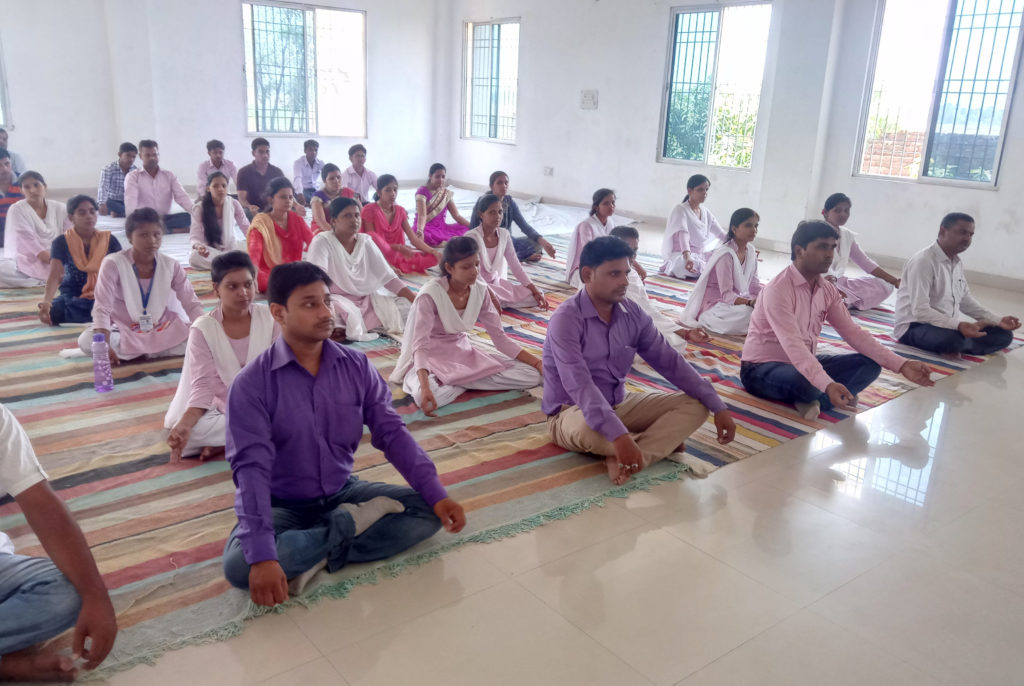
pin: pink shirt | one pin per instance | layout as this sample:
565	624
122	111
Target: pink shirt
722	287
197	234
787	321
227	167
364	184
143	190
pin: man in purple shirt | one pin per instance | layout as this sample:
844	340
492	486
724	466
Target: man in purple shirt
295	417
592	340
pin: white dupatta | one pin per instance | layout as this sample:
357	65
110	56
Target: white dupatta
21	215
499	265
450	318
160	296
742	273
261	335
846	240
572	262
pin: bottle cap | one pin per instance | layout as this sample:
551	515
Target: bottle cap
98	338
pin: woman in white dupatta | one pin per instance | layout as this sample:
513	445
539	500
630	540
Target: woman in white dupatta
726	292
219	345
599	223
32	224
498	256
859	292
366	294
690	232
214	219
438	360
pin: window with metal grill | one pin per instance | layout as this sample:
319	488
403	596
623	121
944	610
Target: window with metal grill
492	80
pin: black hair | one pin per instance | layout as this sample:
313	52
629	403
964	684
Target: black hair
328	168
257	142
953	218
358	147
485	201
494	177
625	232
286	277
809	231
604	249
338	206
148	143
31	175
382	182
599	195
310	143
77	200
214	144
456	250
143	215
127	147
836	198
212	229
693	182
227	262
4	154
435	167
274	186
738	217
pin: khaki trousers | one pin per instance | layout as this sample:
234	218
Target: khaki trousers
658	422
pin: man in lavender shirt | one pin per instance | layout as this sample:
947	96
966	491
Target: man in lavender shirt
295	417
592	340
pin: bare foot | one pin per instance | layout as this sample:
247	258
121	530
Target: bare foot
28	665
213	452
535	257
616	473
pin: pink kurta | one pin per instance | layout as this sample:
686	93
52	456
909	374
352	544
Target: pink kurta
686	230
451	357
21	235
863	292
586	231
509	294
197	234
722	287
171	327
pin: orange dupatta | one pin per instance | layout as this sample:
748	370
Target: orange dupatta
98	246
264	225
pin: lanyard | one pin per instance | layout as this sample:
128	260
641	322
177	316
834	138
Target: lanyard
145	294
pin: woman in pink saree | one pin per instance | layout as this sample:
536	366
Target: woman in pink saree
433	203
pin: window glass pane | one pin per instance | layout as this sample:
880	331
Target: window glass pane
341	72
977	79
690	85
281	90
493	78
909	48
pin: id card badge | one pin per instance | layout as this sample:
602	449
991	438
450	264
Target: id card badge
145	323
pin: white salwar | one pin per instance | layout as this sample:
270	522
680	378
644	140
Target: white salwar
636	292
723	318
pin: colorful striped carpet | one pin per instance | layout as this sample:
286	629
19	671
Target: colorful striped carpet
157	529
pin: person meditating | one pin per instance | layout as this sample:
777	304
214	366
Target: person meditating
40	597
592	340
156	188
254	178
216	163
319	200
438	361
32	224
727	289
295	417
685	246
779	360
357	178
599	223
144	300
110	192
498	256
75	259
934	292
277	235
676	334
433	203
528	248
860	292
387	223
358	274
214	219
219	345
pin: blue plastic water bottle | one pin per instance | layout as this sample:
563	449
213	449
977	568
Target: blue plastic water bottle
103	377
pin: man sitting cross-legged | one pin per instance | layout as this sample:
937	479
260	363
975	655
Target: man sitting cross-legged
295	417
592	340
779	361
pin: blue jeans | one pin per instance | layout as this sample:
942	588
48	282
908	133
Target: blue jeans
178	220
307	531
781	381
37	602
950	341
115	207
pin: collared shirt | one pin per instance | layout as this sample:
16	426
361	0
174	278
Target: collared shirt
292	435
364	184
19	468
17	164
933	290
586	362
112	182
10	196
255	184
227	167
306	175
787	320
141	189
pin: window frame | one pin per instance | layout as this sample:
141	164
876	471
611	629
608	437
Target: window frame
464	129
666	90
366	72
940	71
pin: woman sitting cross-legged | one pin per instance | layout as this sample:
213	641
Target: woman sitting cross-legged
332	188
144	301
433	203
690	231
32	224
387	223
277	235
498	256
75	260
599	223
214	219
358	274
528	248
219	345
438	361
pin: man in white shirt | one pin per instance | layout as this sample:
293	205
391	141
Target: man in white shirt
933	291
154	187
40	597
306	172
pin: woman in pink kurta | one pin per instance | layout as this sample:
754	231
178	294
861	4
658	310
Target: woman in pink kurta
859	292
144	301
387	223
690	232
438	360
433	202
214	219
32	224
498	257
599	223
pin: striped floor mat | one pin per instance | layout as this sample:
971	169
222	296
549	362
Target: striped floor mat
157	529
